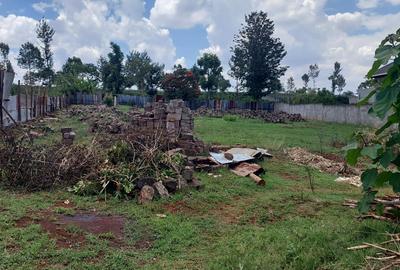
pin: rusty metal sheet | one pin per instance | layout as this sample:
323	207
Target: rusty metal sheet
244	169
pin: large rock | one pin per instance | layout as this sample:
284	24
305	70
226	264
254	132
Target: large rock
146	195
145	181
160	190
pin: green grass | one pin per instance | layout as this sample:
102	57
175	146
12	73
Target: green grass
79	127
124	108
312	135
231	224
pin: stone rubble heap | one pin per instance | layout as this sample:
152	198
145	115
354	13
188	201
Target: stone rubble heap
175	118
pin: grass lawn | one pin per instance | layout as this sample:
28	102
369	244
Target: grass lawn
231	224
313	135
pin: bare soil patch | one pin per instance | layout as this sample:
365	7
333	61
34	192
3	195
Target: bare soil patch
69	230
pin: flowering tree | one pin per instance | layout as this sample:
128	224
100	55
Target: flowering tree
180	84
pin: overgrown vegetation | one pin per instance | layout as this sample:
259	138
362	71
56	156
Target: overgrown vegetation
383	150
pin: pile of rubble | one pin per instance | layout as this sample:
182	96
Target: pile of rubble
348	174
270	117
101	118
174	119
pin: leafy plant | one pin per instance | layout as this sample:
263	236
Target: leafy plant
108	100
384	150
230	118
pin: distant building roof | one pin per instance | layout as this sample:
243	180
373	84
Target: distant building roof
382	71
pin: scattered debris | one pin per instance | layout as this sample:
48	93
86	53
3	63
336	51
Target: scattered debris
304	157
237	155
353	180
385	208
270	117
251	170
388	252
68	136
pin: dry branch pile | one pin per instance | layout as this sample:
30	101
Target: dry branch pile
388	253
303	157
37	168
270	117
385	208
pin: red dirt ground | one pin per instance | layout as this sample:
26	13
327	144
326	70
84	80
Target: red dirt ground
56	226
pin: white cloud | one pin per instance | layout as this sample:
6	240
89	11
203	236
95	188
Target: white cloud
84	28
42	6
181	61
309	34
394	2
367	4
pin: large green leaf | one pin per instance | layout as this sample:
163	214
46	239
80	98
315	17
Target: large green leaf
394	181
352	156
371	151
387	157
368	178
377	64
382	178
385	52
384	100
365	202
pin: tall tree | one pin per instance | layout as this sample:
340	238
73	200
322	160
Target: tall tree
181	83
111	69
45	35
306	80
76	76
4	61
337	79
141	71
29	58
210	73
104	71
313	73
257	55
290	84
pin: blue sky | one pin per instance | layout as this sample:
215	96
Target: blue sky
178	31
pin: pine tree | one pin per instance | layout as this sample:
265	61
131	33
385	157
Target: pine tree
257	55
45	35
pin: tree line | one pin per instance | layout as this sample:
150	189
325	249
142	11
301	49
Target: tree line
255	65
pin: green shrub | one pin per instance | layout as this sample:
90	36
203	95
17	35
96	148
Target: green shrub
230	118
108	100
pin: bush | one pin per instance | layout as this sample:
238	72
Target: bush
230	118
108	100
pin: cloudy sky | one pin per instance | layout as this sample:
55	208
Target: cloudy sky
178	31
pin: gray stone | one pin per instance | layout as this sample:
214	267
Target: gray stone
187	173
160	190
146	195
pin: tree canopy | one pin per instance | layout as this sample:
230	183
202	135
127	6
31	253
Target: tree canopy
29	58
76	76
209	73
141	71
257	55
45	35
110	69
337	79
181	83
4	61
